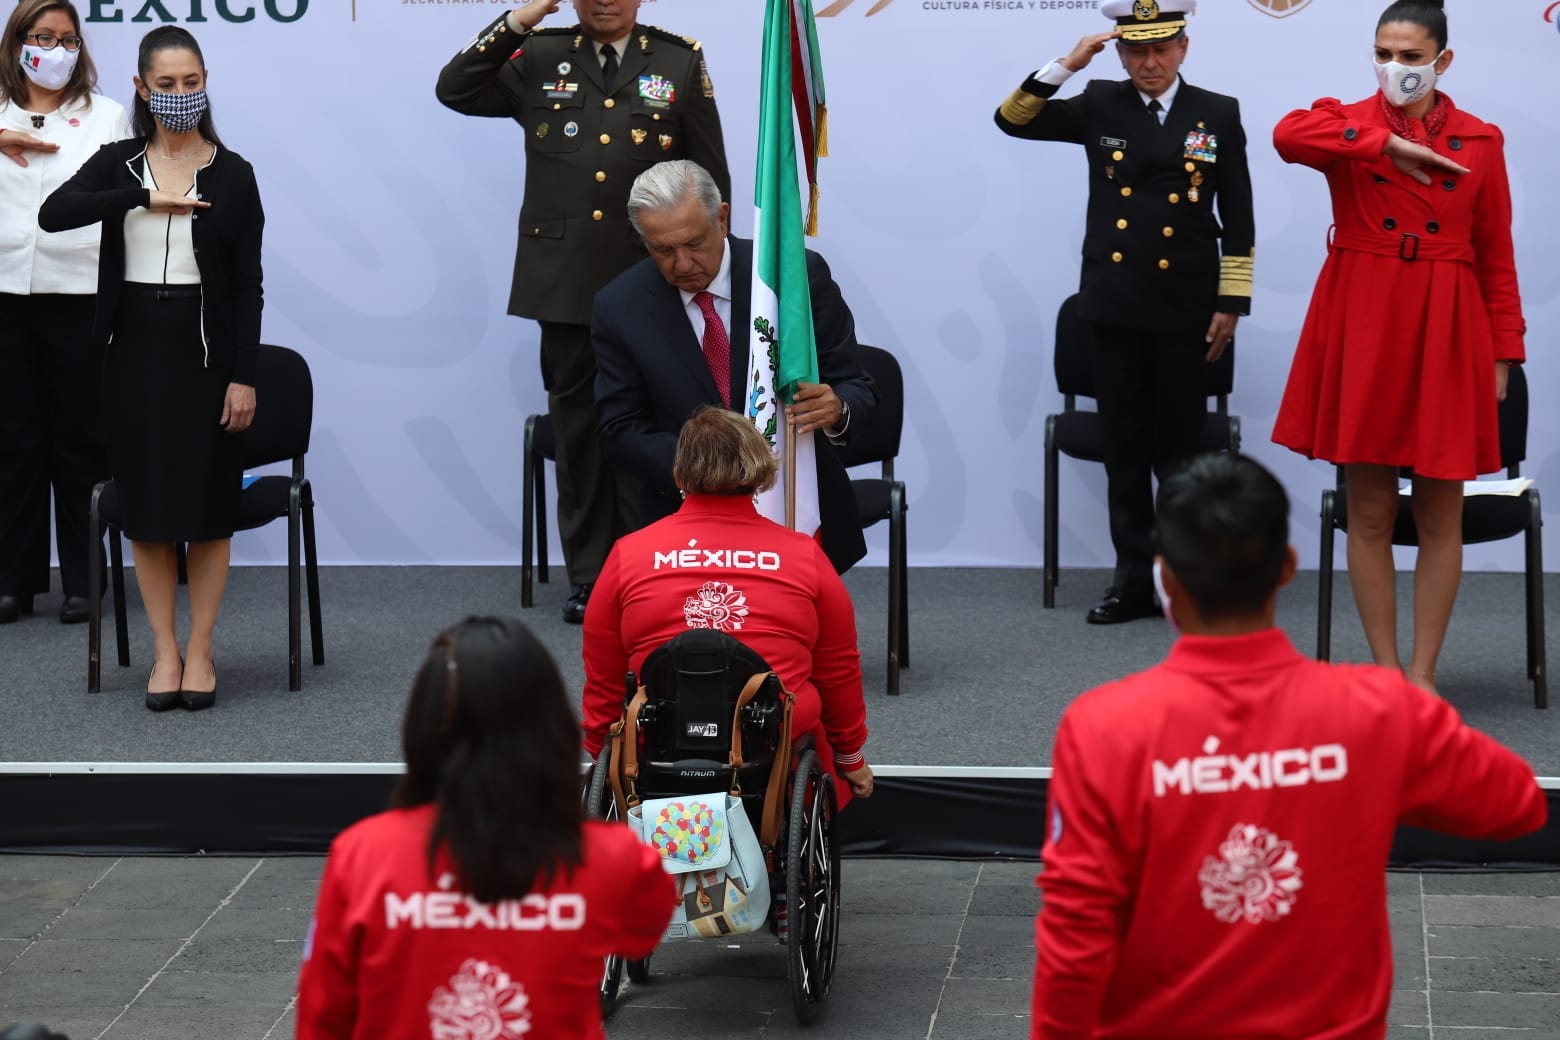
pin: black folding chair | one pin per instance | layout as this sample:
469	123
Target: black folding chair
284	419
540	447
1076	433
883	497
1486	518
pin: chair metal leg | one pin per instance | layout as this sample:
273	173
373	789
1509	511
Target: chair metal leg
541	522
904	575
1049	509
311	570
294	591
1537	653
1324	583
528	497
895	578
116	566
95	603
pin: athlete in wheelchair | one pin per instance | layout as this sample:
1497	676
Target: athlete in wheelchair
718	569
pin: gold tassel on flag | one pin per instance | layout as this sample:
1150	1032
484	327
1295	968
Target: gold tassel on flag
822	119
812	211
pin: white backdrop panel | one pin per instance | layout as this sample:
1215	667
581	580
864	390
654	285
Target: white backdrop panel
391	225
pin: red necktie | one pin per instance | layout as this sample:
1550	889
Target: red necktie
717	348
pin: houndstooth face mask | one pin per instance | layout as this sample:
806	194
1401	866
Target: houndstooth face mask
180	113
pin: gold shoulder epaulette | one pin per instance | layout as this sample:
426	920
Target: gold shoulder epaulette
677	38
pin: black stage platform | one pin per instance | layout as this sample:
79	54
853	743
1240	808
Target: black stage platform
963	750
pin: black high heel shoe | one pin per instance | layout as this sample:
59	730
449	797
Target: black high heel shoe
196	701
167	699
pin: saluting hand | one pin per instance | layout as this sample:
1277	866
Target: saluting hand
1087	48
168	202
13	143
1414	159
524	19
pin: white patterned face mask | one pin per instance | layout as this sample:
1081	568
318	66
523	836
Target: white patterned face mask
180	113
1405	84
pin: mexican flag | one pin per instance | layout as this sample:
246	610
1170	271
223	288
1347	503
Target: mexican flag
781	348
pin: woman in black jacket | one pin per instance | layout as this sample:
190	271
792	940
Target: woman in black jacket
179	296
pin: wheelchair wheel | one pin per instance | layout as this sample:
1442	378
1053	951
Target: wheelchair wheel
812	884
600	804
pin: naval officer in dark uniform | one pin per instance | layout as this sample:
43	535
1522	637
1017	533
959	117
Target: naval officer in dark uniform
598	102
1162	282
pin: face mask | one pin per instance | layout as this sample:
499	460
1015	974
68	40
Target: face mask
49	69
1164	598
180	113
1405	84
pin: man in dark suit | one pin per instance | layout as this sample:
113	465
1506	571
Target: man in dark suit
598	102
665	327
1162	282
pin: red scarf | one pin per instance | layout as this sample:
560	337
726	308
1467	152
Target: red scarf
1411	129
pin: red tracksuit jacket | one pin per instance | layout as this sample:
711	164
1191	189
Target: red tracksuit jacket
1217	834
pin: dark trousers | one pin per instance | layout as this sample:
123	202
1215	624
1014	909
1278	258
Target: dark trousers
596	504
50	389
1151	389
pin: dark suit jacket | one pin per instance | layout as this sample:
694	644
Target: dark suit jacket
584	145
1154	253
651	376
227	243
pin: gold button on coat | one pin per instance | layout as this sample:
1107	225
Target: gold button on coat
608	103
606	138
1126	193
1118	155
1169	232
556	107
1115	258
1174	198
656	116
596	215
1191	167
601	175
1122	224
1164	265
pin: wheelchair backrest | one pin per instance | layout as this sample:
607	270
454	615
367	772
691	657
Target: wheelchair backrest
693	682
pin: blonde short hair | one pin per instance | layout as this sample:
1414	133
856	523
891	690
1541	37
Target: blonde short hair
721	453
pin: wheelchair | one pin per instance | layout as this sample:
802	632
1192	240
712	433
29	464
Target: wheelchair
680	713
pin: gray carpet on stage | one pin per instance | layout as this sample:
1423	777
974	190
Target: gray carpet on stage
992	669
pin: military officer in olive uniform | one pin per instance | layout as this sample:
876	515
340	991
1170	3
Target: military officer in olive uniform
1162	282
598	102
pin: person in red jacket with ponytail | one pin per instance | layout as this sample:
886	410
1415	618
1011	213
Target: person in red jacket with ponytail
1414	323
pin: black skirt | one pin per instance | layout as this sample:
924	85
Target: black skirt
177	473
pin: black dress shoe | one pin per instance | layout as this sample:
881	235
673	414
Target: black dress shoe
13	607
75	610
1115	608
193	701
574	606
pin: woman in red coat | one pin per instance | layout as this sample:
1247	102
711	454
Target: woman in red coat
482	905
769	587
1414	321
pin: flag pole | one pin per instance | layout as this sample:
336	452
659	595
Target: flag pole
790	476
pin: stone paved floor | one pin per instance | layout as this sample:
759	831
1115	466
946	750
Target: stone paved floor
174	949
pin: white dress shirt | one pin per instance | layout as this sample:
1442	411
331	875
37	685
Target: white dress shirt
160	247
34	261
